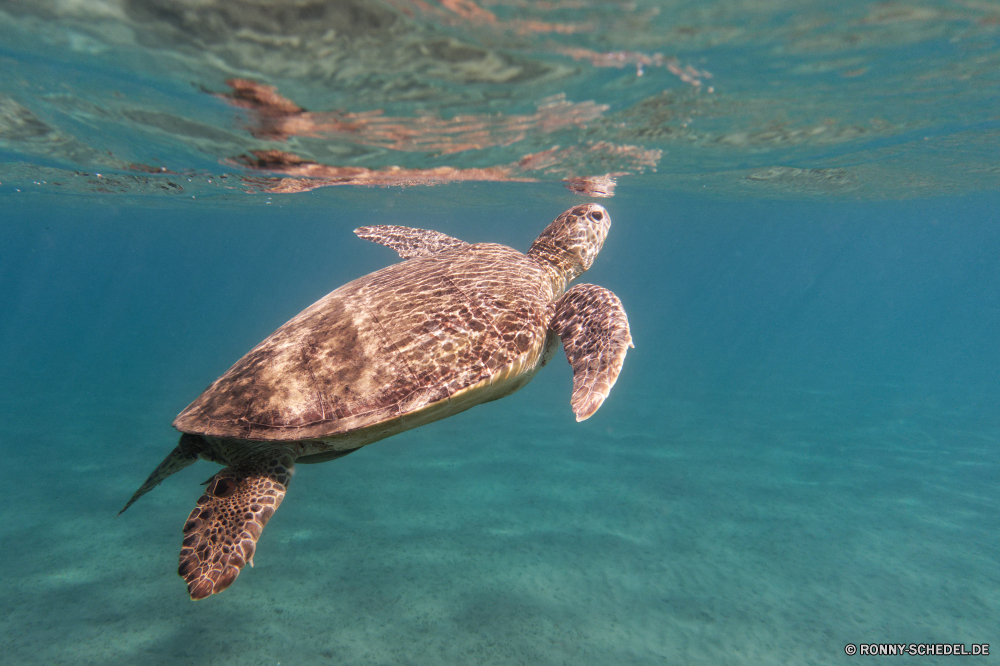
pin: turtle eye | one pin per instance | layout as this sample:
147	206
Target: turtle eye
597	215
224	487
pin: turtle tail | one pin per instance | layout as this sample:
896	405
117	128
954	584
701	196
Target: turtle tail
185	453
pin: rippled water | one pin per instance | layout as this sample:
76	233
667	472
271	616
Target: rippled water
800	454
760	99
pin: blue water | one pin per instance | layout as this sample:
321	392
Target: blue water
802	451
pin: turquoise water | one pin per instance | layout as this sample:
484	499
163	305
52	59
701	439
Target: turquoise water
801	452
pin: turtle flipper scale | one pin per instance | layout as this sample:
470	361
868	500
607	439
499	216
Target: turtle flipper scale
409	242
594	330
220	535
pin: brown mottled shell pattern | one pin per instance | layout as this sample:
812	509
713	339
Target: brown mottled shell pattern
383	346
453	326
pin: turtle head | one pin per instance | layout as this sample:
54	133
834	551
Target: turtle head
573	239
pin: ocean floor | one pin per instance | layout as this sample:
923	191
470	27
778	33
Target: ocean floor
770	526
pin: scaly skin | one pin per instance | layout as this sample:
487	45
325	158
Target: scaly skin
593	327
220	535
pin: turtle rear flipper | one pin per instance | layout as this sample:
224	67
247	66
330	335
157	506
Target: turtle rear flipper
220	535
593	327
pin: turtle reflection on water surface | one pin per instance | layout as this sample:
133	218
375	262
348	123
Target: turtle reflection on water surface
455	325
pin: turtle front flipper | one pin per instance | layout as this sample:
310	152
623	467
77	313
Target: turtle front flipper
220	535
410	242
593	327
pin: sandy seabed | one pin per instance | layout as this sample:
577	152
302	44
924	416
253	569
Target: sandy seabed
728	528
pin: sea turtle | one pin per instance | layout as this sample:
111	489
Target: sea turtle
454	325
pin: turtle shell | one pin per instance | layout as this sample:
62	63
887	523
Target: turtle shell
402	341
